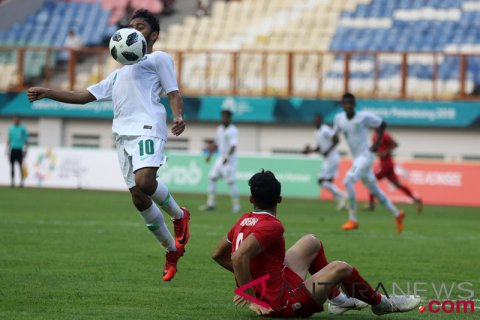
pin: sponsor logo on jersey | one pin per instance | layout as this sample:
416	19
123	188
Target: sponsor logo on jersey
248	222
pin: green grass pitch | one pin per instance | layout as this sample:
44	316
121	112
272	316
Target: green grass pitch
68	254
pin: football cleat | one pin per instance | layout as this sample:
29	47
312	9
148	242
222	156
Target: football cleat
350	304
350	225
399	221
181	229
170	268
396	304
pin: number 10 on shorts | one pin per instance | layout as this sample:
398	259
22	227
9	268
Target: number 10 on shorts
146	147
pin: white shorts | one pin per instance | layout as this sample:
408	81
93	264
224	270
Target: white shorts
329	169
362	167
136	152
227	171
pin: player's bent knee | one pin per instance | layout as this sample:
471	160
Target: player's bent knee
140	199
146	184
341	268
313	242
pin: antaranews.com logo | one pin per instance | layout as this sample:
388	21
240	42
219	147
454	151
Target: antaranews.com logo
449	297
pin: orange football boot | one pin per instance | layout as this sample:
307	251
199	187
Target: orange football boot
350	225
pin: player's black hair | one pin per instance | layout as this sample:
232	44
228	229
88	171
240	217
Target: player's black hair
265	189
348	97
148	17
229	112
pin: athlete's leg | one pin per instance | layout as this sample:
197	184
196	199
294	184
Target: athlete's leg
380	171
328	173
393	178
140	175
371	184
351	178
213	176
339	196
231	177
153	218
308	256
12	167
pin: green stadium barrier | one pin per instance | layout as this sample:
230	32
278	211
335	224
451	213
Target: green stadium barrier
189	173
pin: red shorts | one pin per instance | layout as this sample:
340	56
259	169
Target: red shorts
386	169
296	301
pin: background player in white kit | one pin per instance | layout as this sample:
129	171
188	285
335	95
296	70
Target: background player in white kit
355	126
226	142
331	160
140	130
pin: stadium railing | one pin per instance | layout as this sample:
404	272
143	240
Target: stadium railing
272	73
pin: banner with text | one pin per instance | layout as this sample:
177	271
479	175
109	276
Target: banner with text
99	169
435	182
455	114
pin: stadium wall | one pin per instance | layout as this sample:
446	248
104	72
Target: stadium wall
77	168
424	129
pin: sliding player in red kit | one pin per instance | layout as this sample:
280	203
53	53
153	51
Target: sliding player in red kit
386	169
254	250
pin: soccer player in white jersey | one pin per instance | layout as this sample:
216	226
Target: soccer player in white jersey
226	142
331	159
140	130
355	126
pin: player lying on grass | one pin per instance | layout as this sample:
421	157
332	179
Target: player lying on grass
255	249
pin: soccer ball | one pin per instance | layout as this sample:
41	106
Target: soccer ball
127	46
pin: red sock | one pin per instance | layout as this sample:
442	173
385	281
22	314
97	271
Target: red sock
407	191
359	288
318	264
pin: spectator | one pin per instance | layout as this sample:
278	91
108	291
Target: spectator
17	148
203	8
73	42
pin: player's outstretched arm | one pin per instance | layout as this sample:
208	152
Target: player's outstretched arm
176	104
222	254
75	97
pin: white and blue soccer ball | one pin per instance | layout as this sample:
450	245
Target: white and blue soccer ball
128	46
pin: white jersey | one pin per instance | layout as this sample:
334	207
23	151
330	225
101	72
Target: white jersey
323	138
226	138
356	130
135	91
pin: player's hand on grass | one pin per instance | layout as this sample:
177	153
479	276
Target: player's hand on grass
259	310
240	301
36	93
178	126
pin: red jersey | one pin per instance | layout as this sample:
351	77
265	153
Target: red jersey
268	231
386	144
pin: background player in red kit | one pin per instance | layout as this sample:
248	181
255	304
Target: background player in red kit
386	169
255	248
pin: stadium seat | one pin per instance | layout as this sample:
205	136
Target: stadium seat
412	26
